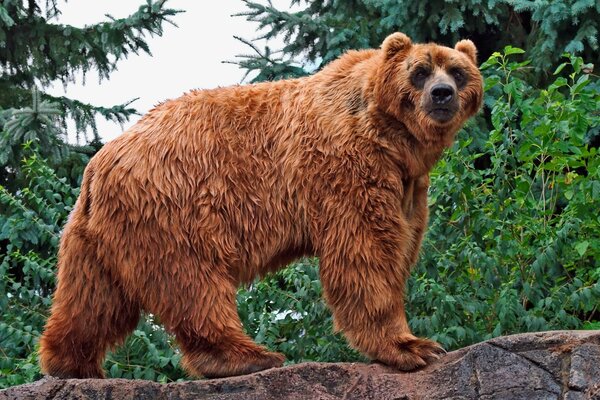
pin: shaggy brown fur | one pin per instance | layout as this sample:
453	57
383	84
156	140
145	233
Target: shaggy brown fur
217	187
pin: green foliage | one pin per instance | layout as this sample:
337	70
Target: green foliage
38	124
34	50
149	353
317	32
269	65
592	325
29	230
30	124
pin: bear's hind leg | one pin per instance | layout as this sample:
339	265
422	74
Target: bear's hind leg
203	316
90	314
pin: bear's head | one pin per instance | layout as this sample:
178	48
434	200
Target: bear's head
431	89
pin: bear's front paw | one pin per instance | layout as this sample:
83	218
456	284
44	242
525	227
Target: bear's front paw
408	352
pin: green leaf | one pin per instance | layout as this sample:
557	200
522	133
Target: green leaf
5	17
582	247
175	358
115	372
508	50
559	68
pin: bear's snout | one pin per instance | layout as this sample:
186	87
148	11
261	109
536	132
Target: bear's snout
442	94
441	103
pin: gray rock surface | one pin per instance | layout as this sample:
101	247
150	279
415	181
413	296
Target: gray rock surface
548	365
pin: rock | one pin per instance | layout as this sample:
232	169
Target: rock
547	365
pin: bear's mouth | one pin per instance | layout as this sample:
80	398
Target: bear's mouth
442	114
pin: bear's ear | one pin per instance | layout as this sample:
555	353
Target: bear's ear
395	43
467	47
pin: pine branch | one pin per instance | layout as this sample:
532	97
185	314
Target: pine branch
84	115
42	51
319	31
269	68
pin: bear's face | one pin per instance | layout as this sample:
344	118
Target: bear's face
431	89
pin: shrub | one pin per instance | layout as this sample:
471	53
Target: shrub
286	313
30	224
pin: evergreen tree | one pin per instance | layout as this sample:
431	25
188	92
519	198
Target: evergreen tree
36	51
316	32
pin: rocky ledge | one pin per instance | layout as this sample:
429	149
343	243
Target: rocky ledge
547	365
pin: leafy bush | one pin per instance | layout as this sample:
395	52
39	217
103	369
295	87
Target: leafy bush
30	224
286	313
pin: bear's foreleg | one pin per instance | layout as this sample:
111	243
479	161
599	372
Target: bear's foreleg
366	259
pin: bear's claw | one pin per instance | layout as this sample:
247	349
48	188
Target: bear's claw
408	353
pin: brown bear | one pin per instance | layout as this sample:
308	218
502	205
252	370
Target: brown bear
210	190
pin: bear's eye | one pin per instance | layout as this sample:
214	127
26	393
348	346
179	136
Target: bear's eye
421	73
419	76
459	77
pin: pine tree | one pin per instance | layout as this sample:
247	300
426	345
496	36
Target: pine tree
316	32
36	51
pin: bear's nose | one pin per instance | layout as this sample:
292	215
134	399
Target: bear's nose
442	94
